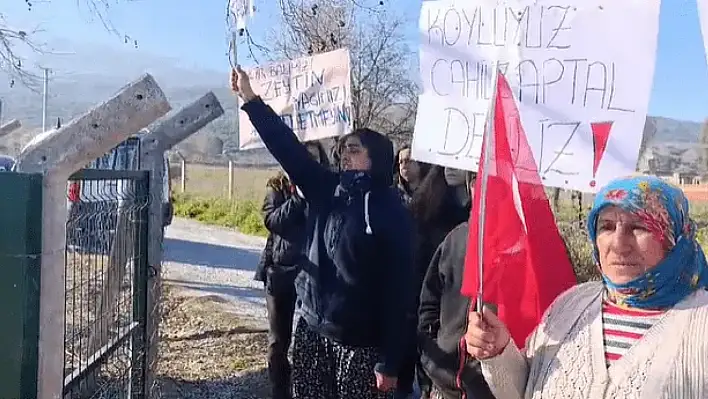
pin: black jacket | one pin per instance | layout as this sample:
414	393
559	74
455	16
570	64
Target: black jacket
284	217
355	287
404	192
430	234
443	321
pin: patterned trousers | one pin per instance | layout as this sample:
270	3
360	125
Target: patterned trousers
323	369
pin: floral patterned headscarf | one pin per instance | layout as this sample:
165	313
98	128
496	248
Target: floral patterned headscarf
663	208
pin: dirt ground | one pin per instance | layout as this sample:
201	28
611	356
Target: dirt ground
207	352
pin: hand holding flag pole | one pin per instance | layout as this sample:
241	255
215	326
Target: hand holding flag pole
484	176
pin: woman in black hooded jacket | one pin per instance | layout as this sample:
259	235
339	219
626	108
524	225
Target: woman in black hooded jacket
284	213
355	286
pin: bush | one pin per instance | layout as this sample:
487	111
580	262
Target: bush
579	250
244	215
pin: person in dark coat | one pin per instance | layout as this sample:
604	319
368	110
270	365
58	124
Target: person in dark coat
443	313
409	174
436	211
284	213
355	286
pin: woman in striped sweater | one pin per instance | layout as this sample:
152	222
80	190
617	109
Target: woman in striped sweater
640	333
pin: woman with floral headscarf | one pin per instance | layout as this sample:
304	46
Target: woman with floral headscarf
639	333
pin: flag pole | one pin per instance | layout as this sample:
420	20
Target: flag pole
488	145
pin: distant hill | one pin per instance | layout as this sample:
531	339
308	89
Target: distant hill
672	131
72	93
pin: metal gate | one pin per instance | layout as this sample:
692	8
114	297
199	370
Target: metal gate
106	284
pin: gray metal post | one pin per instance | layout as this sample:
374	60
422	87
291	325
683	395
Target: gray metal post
154	144
57	155
10	127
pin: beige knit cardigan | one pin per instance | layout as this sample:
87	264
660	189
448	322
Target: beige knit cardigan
565	358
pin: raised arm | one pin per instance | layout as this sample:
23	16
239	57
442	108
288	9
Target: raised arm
314	180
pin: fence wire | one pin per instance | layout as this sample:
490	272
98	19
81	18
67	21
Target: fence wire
105	283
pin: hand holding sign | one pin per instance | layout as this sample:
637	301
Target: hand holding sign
310	94
241	84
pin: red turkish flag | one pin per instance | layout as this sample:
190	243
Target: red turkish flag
526	265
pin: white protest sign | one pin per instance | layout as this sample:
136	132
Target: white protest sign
311	95
581	71
703	17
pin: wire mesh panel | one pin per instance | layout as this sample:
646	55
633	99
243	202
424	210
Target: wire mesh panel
106	279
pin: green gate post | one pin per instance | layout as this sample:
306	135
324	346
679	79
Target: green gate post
20	260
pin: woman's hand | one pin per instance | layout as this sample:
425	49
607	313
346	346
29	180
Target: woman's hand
486	336
241	84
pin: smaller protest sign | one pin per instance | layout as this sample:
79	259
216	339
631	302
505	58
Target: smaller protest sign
311	95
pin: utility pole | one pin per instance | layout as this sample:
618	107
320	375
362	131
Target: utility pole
45	97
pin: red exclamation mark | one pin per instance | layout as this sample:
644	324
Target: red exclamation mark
600	135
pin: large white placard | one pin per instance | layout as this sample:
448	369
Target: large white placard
703	17
311	94
581	71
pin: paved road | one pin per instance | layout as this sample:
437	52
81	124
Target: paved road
208	260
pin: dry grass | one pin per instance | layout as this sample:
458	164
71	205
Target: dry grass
213	181
208	352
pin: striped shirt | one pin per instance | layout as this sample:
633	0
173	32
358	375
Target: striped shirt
623	327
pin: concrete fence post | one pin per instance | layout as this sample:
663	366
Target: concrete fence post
57	154
154	144
10	127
